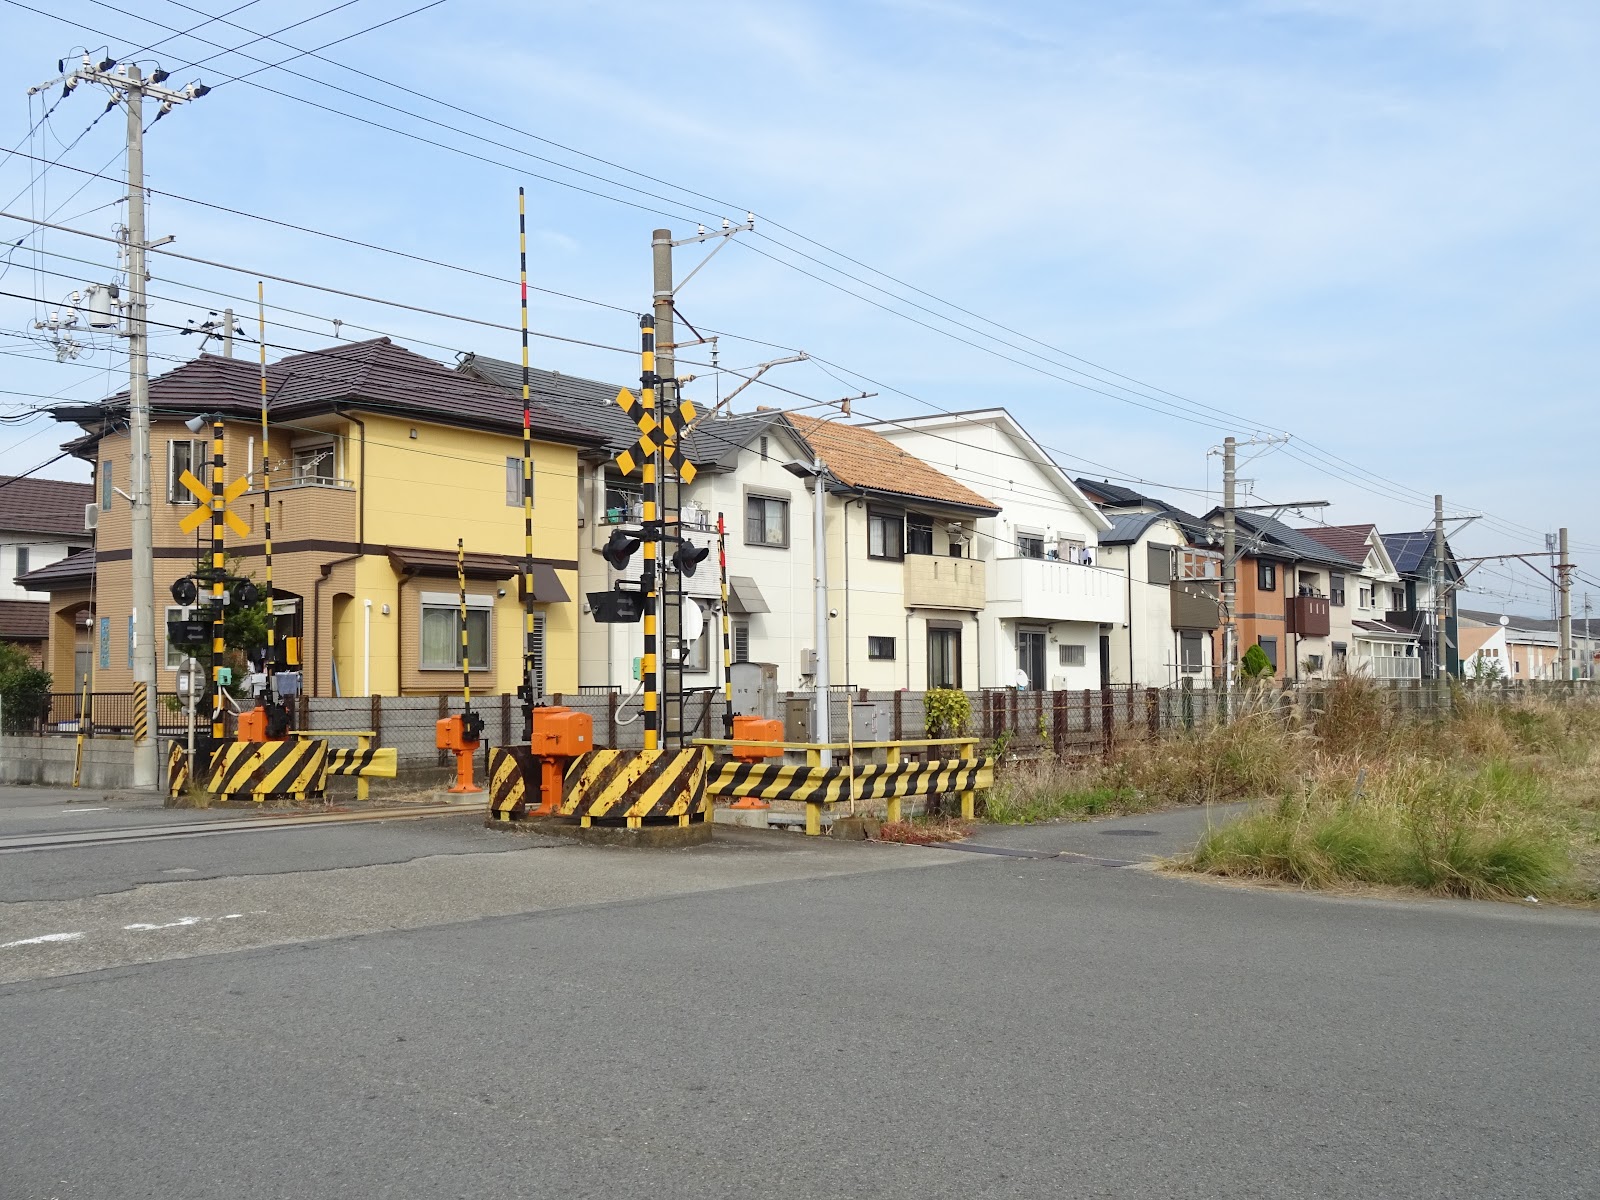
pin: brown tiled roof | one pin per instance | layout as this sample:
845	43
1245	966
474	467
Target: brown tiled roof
372	376
1347	541
44	506
863	459
24	620
75	570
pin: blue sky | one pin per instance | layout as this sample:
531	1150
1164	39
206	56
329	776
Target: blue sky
1369	223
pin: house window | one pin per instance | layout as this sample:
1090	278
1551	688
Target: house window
1070	655
944	658
514	483
1267	576
105	643
1335	589
105	486
1366	597
1069	549
880	647
885	536
1191	652
919	534
181	457
1341	651
22	561
741	641
313	464
1030	545
440	648
1313	662
1269	646
766	521
1397	599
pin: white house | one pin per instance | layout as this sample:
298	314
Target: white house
41	522
1362	641
1172	598
1051	604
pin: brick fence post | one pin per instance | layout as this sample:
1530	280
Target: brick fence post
1152	711
375	718
444	711
899	718
1108	720
505	718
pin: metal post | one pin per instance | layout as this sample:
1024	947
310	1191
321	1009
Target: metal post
466	658
819	553
142	540
1438	589
649	539
529	696
1230	576
727	630
1564	581
218	572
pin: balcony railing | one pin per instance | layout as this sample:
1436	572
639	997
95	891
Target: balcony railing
932	581
1386	667
1041	589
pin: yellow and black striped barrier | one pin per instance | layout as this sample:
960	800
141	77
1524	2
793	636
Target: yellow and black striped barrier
819	786
177	770
373	762
141	714
297	769
637	786
510	769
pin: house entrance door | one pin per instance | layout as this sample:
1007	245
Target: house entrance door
1030	657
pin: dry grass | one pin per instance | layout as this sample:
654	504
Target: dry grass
1500	799
925	831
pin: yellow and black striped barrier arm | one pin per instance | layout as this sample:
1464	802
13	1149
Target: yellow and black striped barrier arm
635	786
374	762
819	786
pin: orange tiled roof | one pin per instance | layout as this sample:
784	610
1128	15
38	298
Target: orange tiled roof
860	458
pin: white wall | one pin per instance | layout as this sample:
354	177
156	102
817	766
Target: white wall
39	553
1144	650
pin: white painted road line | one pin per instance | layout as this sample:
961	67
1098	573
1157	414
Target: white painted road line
42	939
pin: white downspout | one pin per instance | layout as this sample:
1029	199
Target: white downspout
366	649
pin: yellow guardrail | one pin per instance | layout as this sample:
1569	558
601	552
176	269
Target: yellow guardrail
363	743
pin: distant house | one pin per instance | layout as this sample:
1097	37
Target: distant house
1413	558
1484	650
1533	644
41	522
1360	640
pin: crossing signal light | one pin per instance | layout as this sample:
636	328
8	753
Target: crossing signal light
184	592
245	593
688	556
619	548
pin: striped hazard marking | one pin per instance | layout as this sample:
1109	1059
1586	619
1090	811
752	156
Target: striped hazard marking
510	768
376	762
636	786
296	768
177	769
828	785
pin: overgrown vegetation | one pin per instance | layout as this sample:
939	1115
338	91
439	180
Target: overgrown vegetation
1497	798
925	831
946	712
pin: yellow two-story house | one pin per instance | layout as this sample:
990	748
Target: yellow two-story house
379	459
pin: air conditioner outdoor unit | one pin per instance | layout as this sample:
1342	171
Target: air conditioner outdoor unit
808	661
91	517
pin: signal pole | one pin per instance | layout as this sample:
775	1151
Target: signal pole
1439	602
1564	582
131	88
1230	571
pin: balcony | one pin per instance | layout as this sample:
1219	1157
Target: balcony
1376	666
1307	616
934	582
1042	589
1195	604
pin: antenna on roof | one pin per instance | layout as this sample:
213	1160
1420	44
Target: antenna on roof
337	325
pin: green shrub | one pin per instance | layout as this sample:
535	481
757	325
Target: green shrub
24	689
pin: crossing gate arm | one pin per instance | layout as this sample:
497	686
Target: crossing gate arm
369	762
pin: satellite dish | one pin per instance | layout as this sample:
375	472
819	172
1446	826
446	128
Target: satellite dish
694	621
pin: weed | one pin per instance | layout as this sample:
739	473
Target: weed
925	831
1047	789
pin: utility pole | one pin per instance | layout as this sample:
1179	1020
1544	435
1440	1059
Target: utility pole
670	661
1564	582
1439	602
1230	572
227	333
127	84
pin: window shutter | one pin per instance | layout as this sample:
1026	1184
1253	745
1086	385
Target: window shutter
741	641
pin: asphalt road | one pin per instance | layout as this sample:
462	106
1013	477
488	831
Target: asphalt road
770	1016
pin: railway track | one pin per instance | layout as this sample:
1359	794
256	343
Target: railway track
87	838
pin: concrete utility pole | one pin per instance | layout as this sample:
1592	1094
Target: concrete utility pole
670	615
128	85
823	729
227	333
1230	570
1564	582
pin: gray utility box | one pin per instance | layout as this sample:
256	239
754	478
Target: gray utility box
798	714
755	689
